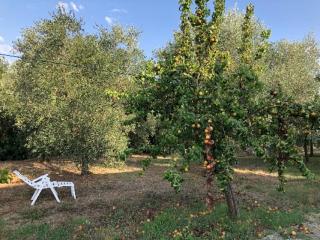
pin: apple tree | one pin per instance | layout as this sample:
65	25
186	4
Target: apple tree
278	124
202	106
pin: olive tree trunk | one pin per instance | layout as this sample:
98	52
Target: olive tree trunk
311	147
305	148
84	167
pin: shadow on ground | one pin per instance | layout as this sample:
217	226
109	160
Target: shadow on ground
124	198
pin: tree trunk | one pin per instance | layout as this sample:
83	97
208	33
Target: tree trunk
305	148
231	201
311	147
210	164
84	167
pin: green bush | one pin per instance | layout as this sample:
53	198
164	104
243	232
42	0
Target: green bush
12	139
5	176
144	132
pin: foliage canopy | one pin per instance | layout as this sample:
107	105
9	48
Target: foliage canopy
75	108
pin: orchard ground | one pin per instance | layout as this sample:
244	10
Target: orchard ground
127	203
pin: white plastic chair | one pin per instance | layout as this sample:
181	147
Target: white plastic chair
44	182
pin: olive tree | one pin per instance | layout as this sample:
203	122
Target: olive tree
294	65
70	88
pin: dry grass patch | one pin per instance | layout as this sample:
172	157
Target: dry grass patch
117	202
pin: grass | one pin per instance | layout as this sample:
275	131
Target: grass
180	222
299	192
145	207
33	214
291	171
2	227
303	196
197	222
73	230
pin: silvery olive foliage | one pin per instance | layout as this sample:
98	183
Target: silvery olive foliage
71	88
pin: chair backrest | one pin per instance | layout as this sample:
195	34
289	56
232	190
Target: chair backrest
25	179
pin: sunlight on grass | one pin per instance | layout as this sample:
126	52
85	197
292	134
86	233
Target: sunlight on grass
266	174
162	164
103	170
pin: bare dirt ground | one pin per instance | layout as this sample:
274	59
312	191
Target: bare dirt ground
107	189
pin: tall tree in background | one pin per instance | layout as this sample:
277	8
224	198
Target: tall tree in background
294	66
70	87
231	37
309	127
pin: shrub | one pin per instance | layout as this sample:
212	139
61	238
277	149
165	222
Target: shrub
5	176
12	139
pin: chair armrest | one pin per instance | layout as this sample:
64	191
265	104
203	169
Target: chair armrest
40	178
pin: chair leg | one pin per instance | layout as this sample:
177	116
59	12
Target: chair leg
73	192
55	194
35	196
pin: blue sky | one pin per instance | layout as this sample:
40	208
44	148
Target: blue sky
156	19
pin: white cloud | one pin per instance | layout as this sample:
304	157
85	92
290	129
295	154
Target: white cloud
109	20
74	6
71	5
63	5
117	10
5	48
